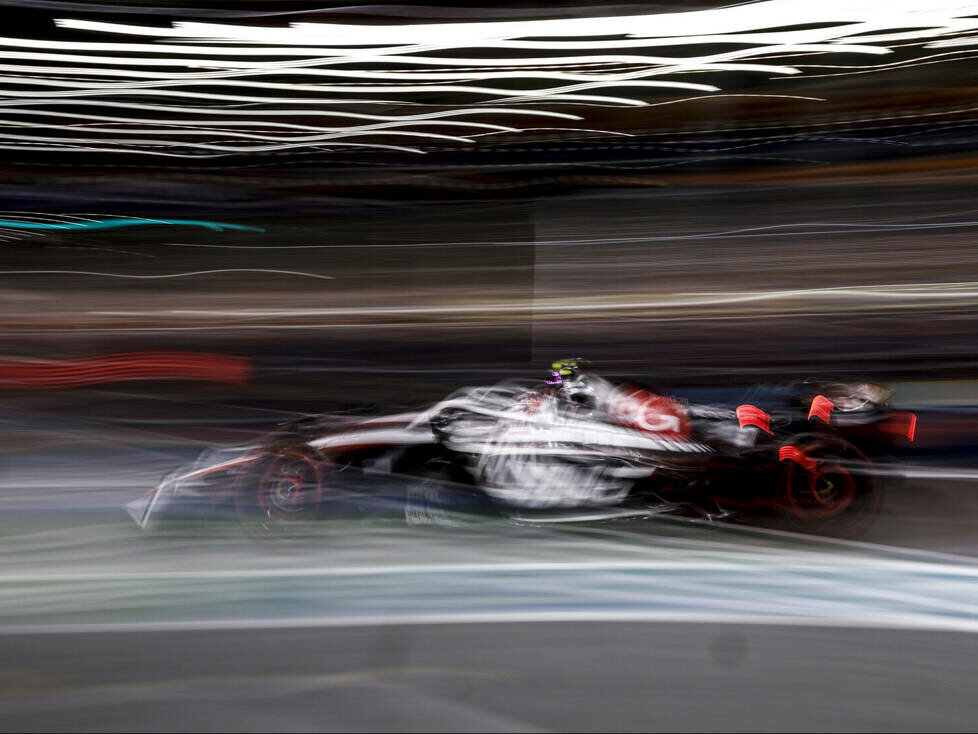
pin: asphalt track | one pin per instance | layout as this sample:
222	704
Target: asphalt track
513	677
380	626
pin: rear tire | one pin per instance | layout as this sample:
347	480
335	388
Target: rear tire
840	498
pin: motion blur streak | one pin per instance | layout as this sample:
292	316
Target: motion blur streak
846	29
121	367
123	222
266	271
565	365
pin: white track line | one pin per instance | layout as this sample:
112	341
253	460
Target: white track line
874	621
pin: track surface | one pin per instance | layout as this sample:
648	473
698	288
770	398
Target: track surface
557	676
631	626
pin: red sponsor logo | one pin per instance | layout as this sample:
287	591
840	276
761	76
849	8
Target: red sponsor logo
635	407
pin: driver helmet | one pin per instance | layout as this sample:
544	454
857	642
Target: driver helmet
572	378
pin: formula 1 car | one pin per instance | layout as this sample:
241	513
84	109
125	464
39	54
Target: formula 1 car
577	447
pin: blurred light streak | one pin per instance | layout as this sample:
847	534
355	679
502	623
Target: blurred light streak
827	586
124	222
893	292
295	141
226	150
773	230
81	91
284	125
870	69
189	10
845	18
54	374
530	70
558	129
405	118
616	80
870	621
268	271
845	29
947	42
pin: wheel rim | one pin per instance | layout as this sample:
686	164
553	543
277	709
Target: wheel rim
826	492
840	498
291	488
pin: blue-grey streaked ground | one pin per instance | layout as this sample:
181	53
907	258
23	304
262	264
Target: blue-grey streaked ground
377	626
380	626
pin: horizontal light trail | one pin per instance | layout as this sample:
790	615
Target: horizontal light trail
869	621
773	230
662	580
266	271
615	61
897	292
615	80
192	11
170	123
226	151
781	560
252	69
844	20
26	97
396	54
124	222
655	66
405	118
948	42
286	143
53	374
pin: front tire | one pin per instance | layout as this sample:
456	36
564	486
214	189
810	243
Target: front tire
283	494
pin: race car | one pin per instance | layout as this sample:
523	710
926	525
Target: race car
575	446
